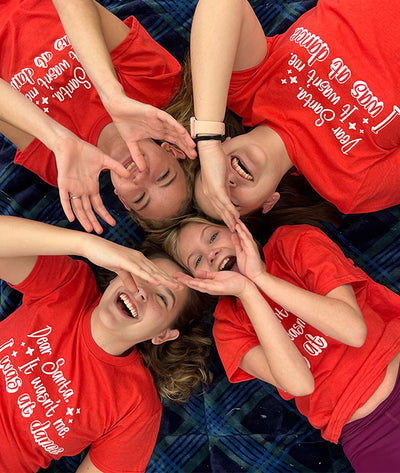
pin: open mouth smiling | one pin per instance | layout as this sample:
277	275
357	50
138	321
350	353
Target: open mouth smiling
241	169
126	305
227	263
130	165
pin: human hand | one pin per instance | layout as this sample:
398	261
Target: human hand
78	165
128	263
218	283
214	181
137	121
247	254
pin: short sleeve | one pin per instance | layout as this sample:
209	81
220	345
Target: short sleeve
147	71
50	273
318	263
234	337
128	446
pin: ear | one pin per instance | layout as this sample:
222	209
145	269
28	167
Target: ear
177	153
165	336
122	200
267	206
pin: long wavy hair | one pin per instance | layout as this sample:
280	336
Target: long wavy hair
177	366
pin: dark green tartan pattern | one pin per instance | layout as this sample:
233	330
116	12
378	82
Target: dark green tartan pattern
233	428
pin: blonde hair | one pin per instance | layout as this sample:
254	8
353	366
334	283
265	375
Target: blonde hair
167	238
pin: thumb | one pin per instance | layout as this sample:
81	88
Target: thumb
117	167
137	155
128	280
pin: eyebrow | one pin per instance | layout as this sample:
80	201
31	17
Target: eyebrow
168	183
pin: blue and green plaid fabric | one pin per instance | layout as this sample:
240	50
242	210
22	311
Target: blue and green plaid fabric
226	428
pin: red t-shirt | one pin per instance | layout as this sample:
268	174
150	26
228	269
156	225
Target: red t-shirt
345	377
45	69
329	88
59	391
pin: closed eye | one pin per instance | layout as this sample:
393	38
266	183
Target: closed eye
164	176
163	299
235	205
139	199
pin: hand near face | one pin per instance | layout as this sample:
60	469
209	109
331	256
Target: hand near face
137	121
247	254
214	182
126	262
221	283
79	165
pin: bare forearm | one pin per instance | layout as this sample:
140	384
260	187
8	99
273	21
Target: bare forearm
82	23
333	317
23	237
286	364
214	42
18	111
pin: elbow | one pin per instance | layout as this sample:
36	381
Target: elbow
359	335
305	388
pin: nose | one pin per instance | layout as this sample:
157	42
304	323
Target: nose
140	177
211	256
142	293
231	180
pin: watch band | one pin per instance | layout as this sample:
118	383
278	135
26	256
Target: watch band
198	138
198	127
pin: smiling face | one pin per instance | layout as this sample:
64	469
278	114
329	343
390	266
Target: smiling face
252	176
160	190
123	318
203	247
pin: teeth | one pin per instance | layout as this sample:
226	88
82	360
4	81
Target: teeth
224	263
130	166
129	306
239	168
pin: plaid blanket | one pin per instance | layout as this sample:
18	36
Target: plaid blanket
227	427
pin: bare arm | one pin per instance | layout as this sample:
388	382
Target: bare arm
225	36
78	163
276	360
87	466
93	31
82	22
22	240
336	314
20	112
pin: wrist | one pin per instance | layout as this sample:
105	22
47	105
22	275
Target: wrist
84	244
206	127
209	145
248	290
112	95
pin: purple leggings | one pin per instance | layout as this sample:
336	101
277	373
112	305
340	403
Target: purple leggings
372	444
